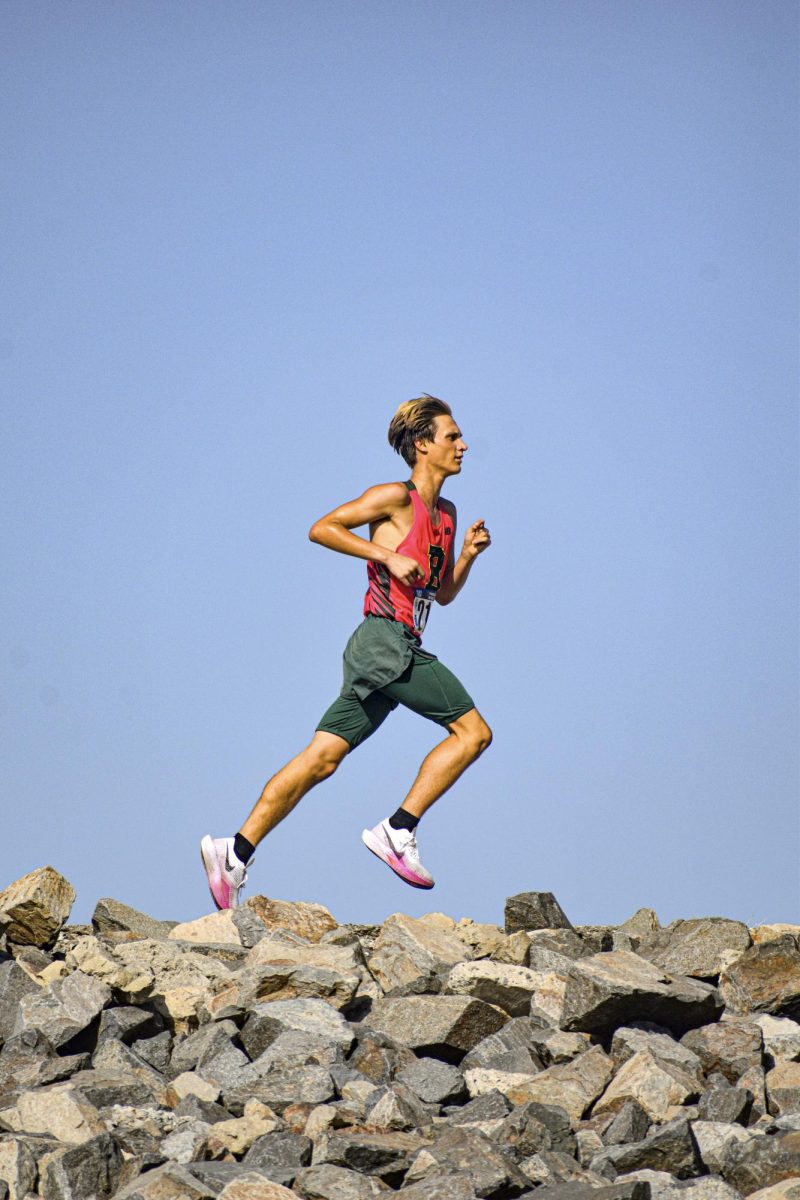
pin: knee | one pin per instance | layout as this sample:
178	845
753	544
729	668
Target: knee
483	737
323	764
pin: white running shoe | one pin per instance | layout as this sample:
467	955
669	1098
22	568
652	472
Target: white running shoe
398	849
226	874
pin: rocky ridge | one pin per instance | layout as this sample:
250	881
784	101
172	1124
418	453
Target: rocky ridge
271	1053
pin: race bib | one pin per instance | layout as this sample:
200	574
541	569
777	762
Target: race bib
423	599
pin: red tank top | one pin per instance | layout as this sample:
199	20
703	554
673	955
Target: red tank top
430	545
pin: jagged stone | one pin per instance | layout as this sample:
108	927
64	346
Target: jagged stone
92	958
112	917
280	1088
282	1155
168	1182
17	1166
781	1038
543	960
783	1088
488	1108
512	1048
754	1080
238	1134
600	993
386	1155
397	1107
515	950
766	978
128	1023
553	1046
217	927
534	910
189	1083
63	1010
103	1088
669	1148
433	1081
253	1186
630	1039
600	939
14	984
294	1048
115	1058
440	1187
202	1046
481	940
193	1108
408	953
565	942
727	1104
658	1086
310	921
533	1127
156	1051
731	1046
762	1161
630	1124
642	925
664	1187
443	1027
700	947
573	1086
770	933
182	976
35	907
492	1172
60	1110
508	987
788	1189
187	1143
549	1167
311	1016
624	1190
284	979
713	1137
378	1056
328	1182
28	1060
90	1171
588	1143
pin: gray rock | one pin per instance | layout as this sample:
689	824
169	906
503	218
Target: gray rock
727	1104
169	1182
565	942
104	1088
315	1017
127	1023
443	1027
296	1049
507	986
35	907
781	1039
600	993
281	1155
379	1057
156	1051
630	1039
512	1048
206	1044
713	1139
17	1166
89	1171
111	916
731	1046
491	1107
328	1182
534	910
630	1124
409	953
440	1187
670	1147
550	1167
766	979
700	947
192	1108
396	1107
67	1008
433	1081
762	1161
492	1172
249	926
386	1155
14	984
627	1190
534	1127
186	1143
553	1046
279	1089
783	1088
28	1060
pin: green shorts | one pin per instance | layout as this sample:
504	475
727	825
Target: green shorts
380	647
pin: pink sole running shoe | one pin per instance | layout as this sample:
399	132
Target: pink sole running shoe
226	875
398	849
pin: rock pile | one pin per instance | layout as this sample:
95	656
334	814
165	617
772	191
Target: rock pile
270	1053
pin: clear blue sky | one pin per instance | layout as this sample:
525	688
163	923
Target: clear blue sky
236	236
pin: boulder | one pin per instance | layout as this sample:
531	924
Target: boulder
309	921
434	1082
252	1185
781	1038
534	910
713	1138
730	1047
445	1027
630	1124
533	1127
218	928
409	953
700	947
670	1148
111	917
572	1086
481	940
765	979
17	1166
90	1171
783	1088
630	1039
14	984
788	1189
600	993
60	1110
384	1155
310	1016
35	907
512	1048
655	1084
329	1182
63	1010
508	987
762	1161
491	1172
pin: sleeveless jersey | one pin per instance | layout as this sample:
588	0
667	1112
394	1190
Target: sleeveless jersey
430	545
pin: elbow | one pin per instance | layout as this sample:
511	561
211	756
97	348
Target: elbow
315	532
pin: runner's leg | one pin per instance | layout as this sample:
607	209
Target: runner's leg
469	737
285	789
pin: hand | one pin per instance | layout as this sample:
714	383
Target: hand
406	570
476	540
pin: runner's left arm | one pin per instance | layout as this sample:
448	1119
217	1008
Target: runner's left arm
476	540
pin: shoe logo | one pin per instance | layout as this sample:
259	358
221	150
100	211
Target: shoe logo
228	863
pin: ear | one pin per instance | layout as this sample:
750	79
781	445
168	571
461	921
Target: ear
421	447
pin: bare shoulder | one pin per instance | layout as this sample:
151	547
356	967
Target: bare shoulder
394	494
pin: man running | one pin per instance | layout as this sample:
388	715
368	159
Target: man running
410	562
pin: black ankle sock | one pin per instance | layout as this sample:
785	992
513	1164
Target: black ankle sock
403	820
243	849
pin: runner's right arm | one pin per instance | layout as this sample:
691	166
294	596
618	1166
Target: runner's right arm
379	503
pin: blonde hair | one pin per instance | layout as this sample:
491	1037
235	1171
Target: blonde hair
414	422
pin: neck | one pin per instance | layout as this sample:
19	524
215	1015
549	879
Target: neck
428	483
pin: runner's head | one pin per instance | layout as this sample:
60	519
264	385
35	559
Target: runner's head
415	421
